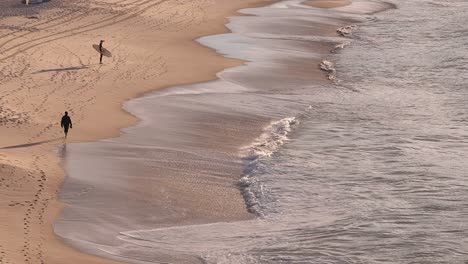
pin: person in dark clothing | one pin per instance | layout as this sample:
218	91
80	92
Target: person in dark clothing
100	50
66	123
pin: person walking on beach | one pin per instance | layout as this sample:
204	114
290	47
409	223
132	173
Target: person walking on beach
100	51
66	123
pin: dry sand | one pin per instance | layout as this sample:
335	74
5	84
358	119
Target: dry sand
47	66
328	3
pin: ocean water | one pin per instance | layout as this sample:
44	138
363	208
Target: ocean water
370	168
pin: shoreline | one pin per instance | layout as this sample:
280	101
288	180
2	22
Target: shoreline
31	152
204	213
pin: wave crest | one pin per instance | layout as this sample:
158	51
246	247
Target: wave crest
272	138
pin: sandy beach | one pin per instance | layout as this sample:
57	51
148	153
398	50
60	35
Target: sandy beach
48	66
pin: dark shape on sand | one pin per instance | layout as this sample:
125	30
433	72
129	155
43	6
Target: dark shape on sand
31	144
66	123
62	69
101	51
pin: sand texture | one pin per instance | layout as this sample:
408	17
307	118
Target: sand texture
47	66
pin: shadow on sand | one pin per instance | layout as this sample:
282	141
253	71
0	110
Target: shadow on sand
32	144
62	69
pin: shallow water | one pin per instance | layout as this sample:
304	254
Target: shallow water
368	170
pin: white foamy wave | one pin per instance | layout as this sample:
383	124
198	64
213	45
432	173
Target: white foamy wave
272	138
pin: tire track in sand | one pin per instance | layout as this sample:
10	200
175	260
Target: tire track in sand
79	29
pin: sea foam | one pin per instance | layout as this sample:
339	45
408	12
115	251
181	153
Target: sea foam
272	138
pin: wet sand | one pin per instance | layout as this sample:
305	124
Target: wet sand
48	66
328	4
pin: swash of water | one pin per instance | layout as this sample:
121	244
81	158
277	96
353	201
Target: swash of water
370	170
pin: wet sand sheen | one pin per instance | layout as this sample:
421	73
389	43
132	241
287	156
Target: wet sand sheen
328	4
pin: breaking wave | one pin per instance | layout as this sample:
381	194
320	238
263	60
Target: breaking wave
273	137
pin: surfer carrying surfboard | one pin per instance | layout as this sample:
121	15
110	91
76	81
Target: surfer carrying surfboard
100	51
66	123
